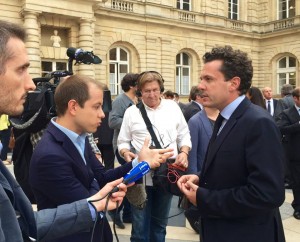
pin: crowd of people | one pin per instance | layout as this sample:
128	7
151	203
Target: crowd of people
237	143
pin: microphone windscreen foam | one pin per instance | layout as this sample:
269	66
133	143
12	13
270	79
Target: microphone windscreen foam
71	52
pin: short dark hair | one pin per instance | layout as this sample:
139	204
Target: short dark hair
235	64
296	92
75	87
8	31
129	80
286	89
194	92
169	93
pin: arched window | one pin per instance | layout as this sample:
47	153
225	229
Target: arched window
286	72
118	68
286	9
183	73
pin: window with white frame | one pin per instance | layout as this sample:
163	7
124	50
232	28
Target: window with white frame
233	9
286	72
286	9
184	5
49	66
183	74
118	68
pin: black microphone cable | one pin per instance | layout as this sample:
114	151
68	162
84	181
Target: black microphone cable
107	196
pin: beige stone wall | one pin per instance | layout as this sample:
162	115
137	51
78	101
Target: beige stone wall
154	32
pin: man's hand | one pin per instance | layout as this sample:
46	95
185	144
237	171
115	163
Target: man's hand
116	196
127	155
182	160
154	156
188	184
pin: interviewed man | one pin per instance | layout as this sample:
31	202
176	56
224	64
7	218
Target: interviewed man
241	184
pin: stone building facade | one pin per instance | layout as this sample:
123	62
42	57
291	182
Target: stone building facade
168	36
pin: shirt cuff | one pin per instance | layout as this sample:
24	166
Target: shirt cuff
93	212
135	162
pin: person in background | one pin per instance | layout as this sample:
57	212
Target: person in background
271	103
241	185
119	106
4	138
149	223
285	102
201	125
168	95
176	99
194	106
289	124
256	97
104	140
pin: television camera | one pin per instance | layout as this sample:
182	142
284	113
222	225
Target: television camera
39	107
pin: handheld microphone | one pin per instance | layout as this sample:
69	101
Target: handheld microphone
134	174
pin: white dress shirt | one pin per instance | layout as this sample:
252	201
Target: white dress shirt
168	124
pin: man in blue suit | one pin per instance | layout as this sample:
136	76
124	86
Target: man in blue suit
241	184
63	167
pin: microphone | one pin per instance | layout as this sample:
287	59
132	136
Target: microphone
81	56
134	174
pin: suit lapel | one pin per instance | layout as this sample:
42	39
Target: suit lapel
215	146
67	145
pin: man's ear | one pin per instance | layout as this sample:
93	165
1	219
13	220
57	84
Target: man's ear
72	106
235	83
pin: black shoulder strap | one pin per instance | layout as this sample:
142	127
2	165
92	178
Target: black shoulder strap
141	107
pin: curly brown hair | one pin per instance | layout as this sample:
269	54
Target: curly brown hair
235	64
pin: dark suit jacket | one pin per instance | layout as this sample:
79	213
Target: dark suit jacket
290	127
283	104
241	184
58	175
190	110
42	225
275	102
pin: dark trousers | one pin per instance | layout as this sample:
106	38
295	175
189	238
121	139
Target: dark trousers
108	155
295	177
4	137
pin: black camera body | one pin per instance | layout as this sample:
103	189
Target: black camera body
39	107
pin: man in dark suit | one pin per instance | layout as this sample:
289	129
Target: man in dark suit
285	102
18	221
270	102
194	106
240	188
63	167
289	124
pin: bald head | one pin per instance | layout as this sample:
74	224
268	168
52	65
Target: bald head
267	93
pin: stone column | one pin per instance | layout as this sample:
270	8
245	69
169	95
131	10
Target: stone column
86	33
33	41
